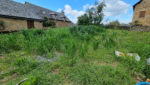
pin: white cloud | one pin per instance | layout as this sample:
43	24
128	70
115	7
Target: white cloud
69	11
85	7
59	10
72	13
115	8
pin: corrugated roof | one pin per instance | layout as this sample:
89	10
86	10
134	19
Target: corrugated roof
28	11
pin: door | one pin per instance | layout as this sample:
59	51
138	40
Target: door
30	24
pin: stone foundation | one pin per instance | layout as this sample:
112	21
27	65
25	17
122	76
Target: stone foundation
140	28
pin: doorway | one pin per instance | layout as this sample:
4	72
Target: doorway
30	24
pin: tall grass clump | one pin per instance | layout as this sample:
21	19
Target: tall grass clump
45	42
89	74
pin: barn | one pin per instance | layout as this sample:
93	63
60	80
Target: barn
15	16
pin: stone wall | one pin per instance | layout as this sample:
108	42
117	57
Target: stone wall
18	24
140	28
38	24
143	6
62	23
13	24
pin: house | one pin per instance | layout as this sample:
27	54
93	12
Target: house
18	16
142	13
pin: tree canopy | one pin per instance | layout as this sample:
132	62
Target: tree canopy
93	16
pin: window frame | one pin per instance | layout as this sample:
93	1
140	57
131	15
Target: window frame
142	14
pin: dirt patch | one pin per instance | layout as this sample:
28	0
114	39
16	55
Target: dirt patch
1	57
55	71
139	77
6	79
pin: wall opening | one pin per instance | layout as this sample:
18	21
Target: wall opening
142	14
30	24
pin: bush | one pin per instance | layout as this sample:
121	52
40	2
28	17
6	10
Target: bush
113	24
83	30
136	23
48	23
2	25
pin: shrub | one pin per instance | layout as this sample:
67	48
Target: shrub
136	23
114	24
48	23
2	25
83	30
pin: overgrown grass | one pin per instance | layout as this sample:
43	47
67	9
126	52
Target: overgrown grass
87	56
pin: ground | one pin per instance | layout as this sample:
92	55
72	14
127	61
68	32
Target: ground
73	56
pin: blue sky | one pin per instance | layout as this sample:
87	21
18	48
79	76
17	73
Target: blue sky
121	10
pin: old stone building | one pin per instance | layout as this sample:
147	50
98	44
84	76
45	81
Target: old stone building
18	16
142	13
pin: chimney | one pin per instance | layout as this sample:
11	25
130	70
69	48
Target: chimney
63	12
27	3
63	15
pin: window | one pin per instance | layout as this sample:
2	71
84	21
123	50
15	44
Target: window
142	14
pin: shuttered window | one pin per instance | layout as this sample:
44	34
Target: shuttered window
142	14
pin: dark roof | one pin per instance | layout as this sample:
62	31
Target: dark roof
43	12
11	8
28	11
137	4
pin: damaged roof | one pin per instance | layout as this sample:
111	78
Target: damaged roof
10	8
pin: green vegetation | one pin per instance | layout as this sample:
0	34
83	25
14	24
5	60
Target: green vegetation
93	16
80	55
2	25
48	23
113	24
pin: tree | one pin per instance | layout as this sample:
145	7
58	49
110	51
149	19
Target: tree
93	16
114	24
83	20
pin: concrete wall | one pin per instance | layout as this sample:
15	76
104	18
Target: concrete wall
143	6
17	24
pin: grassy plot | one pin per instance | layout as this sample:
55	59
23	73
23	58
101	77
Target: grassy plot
84	56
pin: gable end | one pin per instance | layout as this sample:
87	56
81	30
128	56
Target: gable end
137	4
